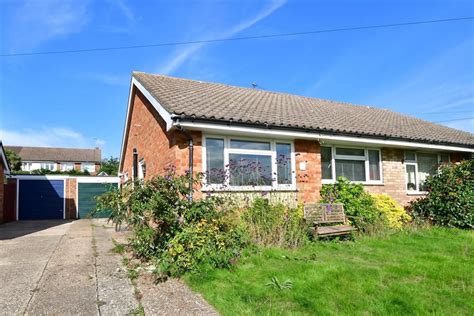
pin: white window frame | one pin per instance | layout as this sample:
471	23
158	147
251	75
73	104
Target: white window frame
228	150
50	163
365	158
415	163
63	166
84	164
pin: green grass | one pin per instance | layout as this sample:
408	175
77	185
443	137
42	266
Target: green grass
426	271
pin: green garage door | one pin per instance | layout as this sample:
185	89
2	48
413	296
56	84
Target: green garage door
86	198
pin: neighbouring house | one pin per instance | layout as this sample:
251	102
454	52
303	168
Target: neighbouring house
4	170
58	159
248	141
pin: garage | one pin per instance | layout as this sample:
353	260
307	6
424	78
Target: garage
86	198
41	199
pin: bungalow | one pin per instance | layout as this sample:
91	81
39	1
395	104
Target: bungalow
58	159
248	140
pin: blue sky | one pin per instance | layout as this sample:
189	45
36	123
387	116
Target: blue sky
80	99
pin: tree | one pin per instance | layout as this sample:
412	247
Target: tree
110	166
14	160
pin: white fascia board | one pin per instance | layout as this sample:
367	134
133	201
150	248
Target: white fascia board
41	177
330	139
158	107
5	161
98	179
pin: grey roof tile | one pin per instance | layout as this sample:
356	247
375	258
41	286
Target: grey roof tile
57	154
214	101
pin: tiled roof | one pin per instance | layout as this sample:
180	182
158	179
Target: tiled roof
57	154
219	102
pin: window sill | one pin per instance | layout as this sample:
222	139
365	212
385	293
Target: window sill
248	189
417	193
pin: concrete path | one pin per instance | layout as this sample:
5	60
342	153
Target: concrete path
62	268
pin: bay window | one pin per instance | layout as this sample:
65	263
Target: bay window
419	166
239	163
355	164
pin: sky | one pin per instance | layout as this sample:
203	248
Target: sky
80	99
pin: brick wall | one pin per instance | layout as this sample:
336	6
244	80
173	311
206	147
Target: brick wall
147	133
308	182
71	203
393	172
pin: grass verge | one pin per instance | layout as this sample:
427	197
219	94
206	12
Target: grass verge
426	271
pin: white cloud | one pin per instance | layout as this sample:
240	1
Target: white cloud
183	54
48	137
36	22
125	9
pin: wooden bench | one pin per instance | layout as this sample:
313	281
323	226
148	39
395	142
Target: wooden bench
326	218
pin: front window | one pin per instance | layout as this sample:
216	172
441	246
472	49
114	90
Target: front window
245	164
89	167
355	164
419	166
48	166
65	166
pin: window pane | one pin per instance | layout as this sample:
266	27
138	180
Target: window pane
427	165
444	158
215	160
374	165
350	152
326	171
246	144
250	169
353	170
411	177
410	156
283	153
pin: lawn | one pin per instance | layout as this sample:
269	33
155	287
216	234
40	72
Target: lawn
426	271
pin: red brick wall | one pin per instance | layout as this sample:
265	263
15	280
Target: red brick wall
147	133
308	182
71	203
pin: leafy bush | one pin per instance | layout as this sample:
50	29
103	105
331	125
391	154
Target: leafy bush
392	212
169	229
450	198
274	225
358	204
207	243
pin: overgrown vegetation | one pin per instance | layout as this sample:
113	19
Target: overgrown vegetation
14	160
72	172
450	198
410	272
369	213
177	234
110	166
275	225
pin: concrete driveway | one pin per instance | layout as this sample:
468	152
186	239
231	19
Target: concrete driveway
61	267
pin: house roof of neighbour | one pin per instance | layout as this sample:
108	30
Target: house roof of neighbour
57	154
216	102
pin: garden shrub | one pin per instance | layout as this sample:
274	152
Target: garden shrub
358	204
450	198
392	212
274	225
206	244
169	229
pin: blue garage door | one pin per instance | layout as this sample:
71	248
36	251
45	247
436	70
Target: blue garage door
41	199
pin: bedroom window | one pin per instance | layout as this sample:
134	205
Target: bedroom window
239	163
419	166
356	164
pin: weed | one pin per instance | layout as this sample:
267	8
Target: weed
276	284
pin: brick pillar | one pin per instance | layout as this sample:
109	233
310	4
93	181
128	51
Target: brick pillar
71	203
308	181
